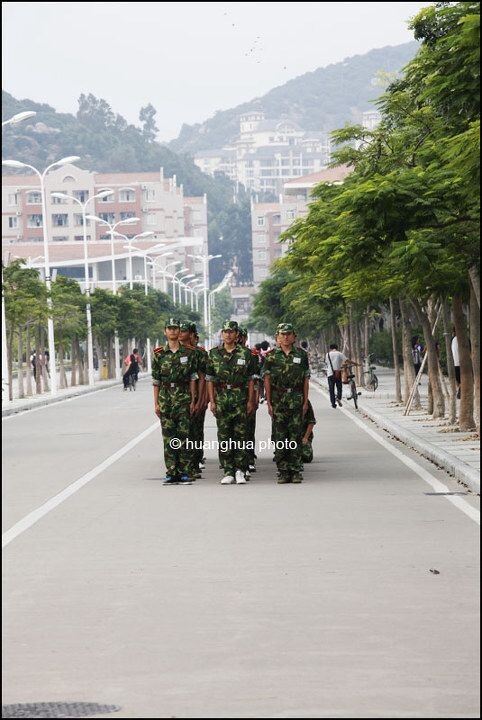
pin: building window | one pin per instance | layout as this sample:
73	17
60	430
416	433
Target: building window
34	221
60	238
13	222
127	196
260	221
34	198
68	179
56	200
81	195
107	217
60	220
127	215
107	198
261	255
79	220
79	238
13	199
149	194
290	214
151	219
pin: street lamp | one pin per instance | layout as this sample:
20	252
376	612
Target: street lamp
19	117
83	206
186	277
112	229
212	294
50	323
174	280
205	259
140	236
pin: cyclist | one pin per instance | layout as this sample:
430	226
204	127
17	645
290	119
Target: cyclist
133	362
335	360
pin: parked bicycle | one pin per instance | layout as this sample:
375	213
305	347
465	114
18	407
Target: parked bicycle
354	393
370	380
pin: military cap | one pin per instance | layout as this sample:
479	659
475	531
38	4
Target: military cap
285	328
193	327
230	325
242	330
185	325
171	322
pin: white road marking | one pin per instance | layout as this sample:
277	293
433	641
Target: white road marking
438	486
30	519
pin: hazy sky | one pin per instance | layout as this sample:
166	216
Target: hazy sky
187	59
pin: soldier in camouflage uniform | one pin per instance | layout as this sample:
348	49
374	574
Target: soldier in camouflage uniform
251	422
286	376
229	378
188	337
174	378
309	422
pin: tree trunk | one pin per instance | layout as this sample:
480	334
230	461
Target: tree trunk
366	341
28	366
474	318
80	360
432	361
396	362
466	413
450	363
73	375
408	369
21	390
474	276
110	359
43	364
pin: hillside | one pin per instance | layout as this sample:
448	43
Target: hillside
324	99
104	141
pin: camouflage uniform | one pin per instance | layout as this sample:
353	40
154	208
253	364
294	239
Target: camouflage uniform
198	418
309	419
230	372
287	374
172	372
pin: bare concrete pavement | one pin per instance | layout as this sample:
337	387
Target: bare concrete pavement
261	600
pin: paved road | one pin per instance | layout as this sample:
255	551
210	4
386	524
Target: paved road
262	600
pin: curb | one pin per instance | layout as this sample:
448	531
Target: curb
455	467
43	401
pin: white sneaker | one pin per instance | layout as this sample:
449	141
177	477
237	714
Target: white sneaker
202	466
227	480
240	479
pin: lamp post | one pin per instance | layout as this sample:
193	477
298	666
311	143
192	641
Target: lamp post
186	288
212	294
140	236
83	206
112	229
205	259
19	117
186	277
163	272
50	323
174	280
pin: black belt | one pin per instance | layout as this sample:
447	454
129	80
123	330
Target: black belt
175	384
230	386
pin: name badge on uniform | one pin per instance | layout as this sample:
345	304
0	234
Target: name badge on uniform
184	359
297	360
241	361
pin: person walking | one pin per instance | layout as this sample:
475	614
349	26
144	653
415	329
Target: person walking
417	354
251	421
335	360
230	380
131	369
286	376
174	379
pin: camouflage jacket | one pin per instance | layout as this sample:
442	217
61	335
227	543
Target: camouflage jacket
178	367
236	367
287	371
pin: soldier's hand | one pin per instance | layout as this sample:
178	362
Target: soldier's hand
192	407
305	441
213	408
250	407
157	411
305	409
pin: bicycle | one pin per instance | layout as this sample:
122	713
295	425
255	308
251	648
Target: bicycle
370	380
353	389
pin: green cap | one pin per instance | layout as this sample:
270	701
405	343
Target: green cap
186	326
193	327
171	323
230	325
242	331
285	328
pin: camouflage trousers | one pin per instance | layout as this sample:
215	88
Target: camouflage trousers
176	423
288	428
196	434
251	435
231	422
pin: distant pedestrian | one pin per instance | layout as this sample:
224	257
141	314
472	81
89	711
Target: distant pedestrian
456	358
335	360
417	354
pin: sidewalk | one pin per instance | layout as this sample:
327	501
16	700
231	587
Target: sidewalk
456	452
29	403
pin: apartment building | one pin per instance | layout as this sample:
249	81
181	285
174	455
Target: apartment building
267	153
269	220
158	203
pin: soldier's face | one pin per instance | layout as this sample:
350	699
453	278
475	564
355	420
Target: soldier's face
286	339
172	333
184	336
229	336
